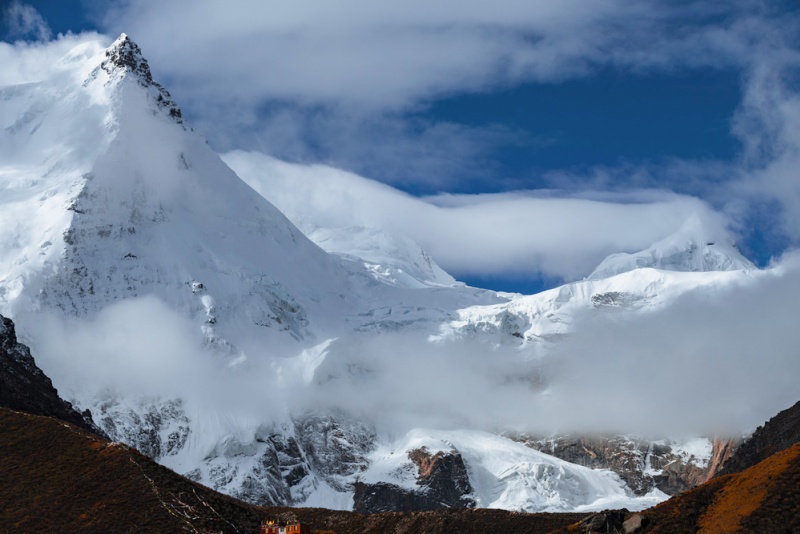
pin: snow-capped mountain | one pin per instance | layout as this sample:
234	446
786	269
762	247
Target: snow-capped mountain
691	249
392	258
151	210
270	365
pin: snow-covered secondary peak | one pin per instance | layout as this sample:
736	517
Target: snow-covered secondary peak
693	248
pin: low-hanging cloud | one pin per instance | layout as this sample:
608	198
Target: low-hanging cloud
713	361
517	233
717	361
142	348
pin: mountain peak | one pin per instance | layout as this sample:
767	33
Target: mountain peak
693	248
124	59
126	56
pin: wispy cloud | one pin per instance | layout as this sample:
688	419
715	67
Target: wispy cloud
393	56
319	82
23	21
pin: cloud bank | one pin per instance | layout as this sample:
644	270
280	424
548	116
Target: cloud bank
515	233
397	55
716	361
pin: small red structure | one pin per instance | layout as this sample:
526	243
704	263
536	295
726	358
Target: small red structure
273	527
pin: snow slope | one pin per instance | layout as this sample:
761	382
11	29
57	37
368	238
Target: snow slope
536	321
390	256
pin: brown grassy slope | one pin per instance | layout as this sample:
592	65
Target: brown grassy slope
777	434
56	477
763	498
462	521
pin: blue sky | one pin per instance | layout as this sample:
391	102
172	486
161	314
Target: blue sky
564	98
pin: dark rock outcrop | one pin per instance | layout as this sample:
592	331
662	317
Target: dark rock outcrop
126	56
777	434
24	387
442	479
612	521
335	443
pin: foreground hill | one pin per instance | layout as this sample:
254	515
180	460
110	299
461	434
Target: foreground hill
762	498
779	433
58	477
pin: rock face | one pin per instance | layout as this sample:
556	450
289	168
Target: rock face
24	387
442	479
777	434
125	56
669	466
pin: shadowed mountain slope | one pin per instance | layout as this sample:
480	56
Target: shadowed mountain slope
23	386
57	477
763	498
777	434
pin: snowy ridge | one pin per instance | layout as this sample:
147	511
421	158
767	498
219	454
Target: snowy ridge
549	315
390	257
692	249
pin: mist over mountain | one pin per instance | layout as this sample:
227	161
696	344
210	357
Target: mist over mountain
286	358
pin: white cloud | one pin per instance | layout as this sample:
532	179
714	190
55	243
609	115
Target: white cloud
381	55
711	362
23	20
344	82
519	233
140	347
320	81
24	62
721	360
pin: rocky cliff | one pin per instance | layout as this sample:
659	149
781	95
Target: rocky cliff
667	465
24	387
442	482
777	434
